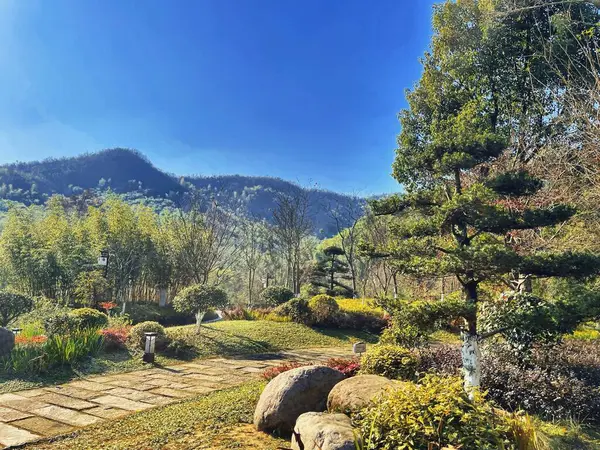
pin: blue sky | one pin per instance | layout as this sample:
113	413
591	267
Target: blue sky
304	90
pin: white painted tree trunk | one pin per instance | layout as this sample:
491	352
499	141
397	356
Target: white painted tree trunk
471	358
162	301
199	317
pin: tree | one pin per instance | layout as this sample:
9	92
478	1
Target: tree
252	250
198	299
329	269
12	305
350	213
459	209
292	225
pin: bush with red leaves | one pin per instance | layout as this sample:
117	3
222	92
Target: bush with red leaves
115	338
272	372
348	367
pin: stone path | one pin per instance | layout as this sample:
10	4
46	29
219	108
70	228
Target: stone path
27	416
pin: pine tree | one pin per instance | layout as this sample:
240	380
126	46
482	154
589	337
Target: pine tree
329	269
460	208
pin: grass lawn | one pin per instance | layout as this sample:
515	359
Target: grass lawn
218	339
259	336
220	420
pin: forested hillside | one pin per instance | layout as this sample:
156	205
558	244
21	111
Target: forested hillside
131	174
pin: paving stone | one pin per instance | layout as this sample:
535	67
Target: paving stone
159	400
159	382
43	426
21	403
120	402
89	385
252	370
32	393
107	412
67	416
168	392
9	415
63	400
71	391
200	389
129	394
10	435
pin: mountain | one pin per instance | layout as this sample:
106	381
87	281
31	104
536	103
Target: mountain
131	174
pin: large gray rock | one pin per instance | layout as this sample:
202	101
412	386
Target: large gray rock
323	431
7	342
357	392
292	393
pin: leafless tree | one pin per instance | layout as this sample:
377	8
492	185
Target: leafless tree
292	225
252	245
203	242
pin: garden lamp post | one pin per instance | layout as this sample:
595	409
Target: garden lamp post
103	261
150	347
16	331
359	348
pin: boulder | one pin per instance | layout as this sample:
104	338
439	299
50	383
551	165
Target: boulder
323	431
292	393
354	393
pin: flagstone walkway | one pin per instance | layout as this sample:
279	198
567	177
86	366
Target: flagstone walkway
27	416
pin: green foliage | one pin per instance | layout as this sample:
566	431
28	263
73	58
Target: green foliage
199	299
90	318
61	324
137	338
390	361
12	305
436	413
297	310
90	287
404	335
275	295
324	308
152	312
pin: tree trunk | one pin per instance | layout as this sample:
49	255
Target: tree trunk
471	359
162	301
199	317
250	289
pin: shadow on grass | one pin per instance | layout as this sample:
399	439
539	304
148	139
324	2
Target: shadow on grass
349	335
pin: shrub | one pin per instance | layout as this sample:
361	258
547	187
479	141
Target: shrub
348	367
115	338
181	349
434	414
237	313
151	312
404	334
356	320
297	310
90	318
275	295
199	298
137	339
390	361
441	359
61	323
66	349
560	384
323	308
272	372
12	305
43	309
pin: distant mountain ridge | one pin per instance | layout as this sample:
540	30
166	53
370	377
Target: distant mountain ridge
130	173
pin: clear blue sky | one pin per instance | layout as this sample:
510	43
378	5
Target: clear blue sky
303	90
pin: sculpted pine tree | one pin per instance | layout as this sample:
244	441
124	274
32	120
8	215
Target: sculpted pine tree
459	209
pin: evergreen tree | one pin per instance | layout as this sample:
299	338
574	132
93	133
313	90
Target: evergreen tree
329	269
460	208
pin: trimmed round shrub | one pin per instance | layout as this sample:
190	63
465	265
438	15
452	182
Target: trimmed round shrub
199	298
12	305
436	413
275	295
390	361
323	307
137	338
61	324
90	318
297	310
